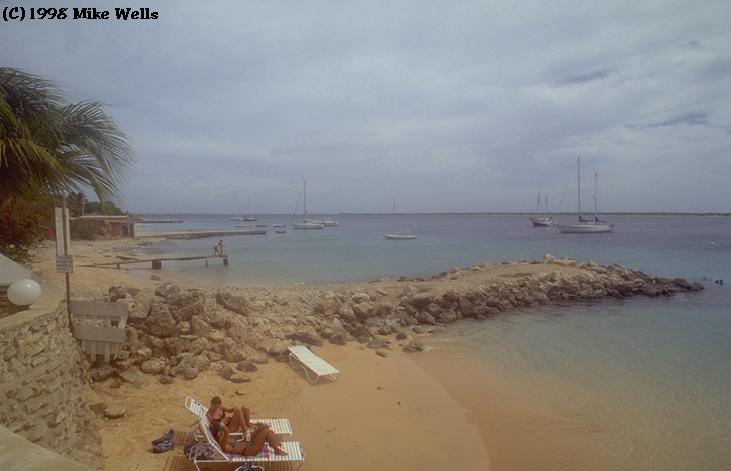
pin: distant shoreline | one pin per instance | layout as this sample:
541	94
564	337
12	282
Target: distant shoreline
482	213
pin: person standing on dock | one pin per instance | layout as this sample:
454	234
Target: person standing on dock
220	248
216	251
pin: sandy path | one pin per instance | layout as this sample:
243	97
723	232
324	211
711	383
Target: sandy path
411	422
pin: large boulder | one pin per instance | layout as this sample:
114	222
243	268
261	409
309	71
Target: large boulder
247	366
152	367
167	290
420	300
364	310
414	346
101	373
115	411
346	313
425	318
160	322
237	304
306	334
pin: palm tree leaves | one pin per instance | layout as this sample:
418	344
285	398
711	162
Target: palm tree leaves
48	145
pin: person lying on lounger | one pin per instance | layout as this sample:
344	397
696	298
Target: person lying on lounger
262	434
239	418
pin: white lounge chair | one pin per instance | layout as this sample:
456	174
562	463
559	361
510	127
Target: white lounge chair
279	426
295	454
313	366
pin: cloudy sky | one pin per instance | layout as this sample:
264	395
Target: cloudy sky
449	106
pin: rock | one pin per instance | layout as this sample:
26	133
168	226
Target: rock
160	323
260	358
118	292
414	346
240	392
378	343
115	411
360	297
306	334
425	318
364	310
188	312
233	303
166	380
101	373
215	319
216	336
381	353
247	366
225	372
177	345
199	327
433	309
116	384
184	327
420	300
142	354
239	378
548	258
167	290
152	367
346	313
337	339
401	335
133	376
447	317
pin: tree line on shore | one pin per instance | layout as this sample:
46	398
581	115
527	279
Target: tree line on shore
51	148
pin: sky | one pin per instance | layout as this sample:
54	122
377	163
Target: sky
446	106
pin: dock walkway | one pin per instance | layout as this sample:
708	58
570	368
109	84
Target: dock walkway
157	262
200	234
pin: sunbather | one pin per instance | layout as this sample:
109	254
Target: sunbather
261	435
239	419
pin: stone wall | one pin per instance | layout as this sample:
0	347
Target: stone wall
41	392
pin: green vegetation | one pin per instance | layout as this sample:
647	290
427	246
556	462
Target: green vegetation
49	147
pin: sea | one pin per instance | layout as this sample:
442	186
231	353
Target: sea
652	374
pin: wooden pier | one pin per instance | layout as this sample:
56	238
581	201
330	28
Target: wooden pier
157	262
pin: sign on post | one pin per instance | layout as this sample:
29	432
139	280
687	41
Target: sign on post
64	260
64	264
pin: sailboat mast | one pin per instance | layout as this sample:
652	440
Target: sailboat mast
545	207
248	204
595	195
578	176
305	202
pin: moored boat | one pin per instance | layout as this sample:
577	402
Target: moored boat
586	226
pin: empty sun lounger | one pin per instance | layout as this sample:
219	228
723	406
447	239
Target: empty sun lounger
293	449
313	366
280	426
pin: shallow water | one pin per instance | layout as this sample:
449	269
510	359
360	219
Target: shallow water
634	384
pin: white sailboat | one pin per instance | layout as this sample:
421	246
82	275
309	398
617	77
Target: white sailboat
398	235
248	211
307	224
586	226
541	219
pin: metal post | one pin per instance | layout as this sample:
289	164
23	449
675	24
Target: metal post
66	243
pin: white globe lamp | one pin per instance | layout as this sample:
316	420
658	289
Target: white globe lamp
24	292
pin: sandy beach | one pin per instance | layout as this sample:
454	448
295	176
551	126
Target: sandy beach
434	409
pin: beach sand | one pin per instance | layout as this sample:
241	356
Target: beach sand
382	413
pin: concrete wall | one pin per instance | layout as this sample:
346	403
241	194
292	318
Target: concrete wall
41	392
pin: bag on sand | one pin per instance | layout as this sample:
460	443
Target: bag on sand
198	450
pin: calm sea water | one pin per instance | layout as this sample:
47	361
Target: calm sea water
654	374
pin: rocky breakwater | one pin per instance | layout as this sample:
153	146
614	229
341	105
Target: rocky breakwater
176	333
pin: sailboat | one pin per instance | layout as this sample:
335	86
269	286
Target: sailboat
398	235
586	226
305	224
248	211
541	219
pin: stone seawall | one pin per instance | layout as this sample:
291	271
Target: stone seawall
41	392
174	333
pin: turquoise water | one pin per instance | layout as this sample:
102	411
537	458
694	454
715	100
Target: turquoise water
650	379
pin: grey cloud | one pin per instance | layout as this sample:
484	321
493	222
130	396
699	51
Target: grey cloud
462	106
